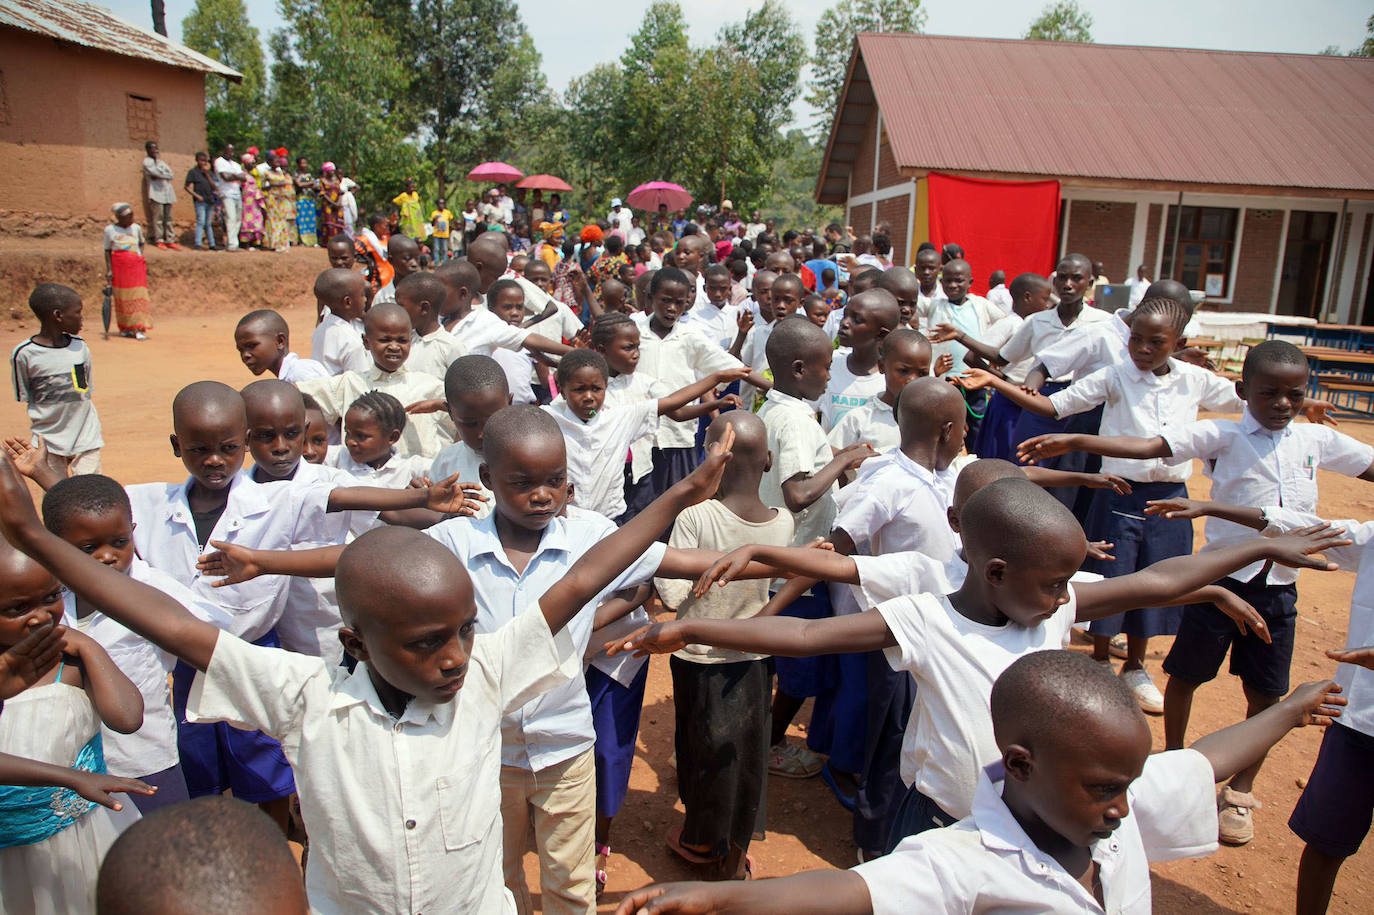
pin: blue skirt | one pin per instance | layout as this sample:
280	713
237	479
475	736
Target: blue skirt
996	436
615	718
839	717
1140	540
1029	425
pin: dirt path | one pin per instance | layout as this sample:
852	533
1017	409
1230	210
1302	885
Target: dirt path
203	296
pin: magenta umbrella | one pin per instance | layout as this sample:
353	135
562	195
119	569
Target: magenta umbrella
495	171
656	193
545	183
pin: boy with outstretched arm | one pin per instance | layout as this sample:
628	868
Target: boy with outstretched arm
398	761
1068	815
1264	458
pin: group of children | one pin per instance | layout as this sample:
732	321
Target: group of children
421	611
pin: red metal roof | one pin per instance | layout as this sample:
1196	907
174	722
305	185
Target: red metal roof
1110	114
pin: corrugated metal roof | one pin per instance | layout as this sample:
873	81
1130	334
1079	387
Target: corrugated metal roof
1113	113
94	26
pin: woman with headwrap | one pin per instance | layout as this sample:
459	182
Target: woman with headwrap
126	273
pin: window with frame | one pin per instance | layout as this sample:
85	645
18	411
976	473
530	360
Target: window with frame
141	113
1206	241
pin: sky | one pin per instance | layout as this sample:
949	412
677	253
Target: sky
571	43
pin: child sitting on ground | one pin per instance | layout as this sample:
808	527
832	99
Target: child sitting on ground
264	344
337	342
52	374
1030	842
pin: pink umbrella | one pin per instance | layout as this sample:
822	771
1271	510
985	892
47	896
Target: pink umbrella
650	196
545	183
495	171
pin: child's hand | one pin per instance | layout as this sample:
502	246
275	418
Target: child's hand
1101	550
658	638
729	376
1119	485
1042	447
17	516
702	483
231	563
97	787
745	321
975	379
1300	548
682	898
1244	615
1364	657
943	333
27	458
449	497
855	455
1176	508
26	661
77	643
1318	411
437	405
944	364
1316	703
419	483
724	570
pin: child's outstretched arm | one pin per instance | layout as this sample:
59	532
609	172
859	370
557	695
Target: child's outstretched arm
823	892
1241	745
147	611
1196	508
1035	402
1040	447
32	462
1046	476
234	564
805	561
115	698
783	636
683	396
801	490
95	787
600	565
445	497
539	343
1364	657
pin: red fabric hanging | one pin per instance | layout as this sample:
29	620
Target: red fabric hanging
1001	225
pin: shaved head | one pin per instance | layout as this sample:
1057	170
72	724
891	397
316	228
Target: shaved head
751	436
1172	290
399	245
273	397
336	282
864	278
263	321
899	281
390	570
1047	694
459	273
980	473
780	262
881	305
516	426
488	255
926	406
1015	520
387	314
208	402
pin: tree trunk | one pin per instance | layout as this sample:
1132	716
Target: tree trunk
160	17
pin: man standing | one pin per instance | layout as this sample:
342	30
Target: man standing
507	205
229	178
755	226
836	239
161	196
619	218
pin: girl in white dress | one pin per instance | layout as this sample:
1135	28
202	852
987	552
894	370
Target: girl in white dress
372	426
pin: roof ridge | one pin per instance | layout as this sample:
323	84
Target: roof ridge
907	36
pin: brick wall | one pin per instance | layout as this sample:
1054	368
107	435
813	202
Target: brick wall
1253	286
1103	232
887	165
1151	255
862	181
894	211
861	218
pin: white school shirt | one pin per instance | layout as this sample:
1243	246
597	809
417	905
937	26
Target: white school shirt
896	504
973	316
433	353
754	353
254	517
153	747
873	422
460	459
1143	404
518	367
847	390
562	325
998	336
425	433
719	324
386	295
482	332
798	446
338	345
955	661
396	473
1356	682
404	813
1000	296
294	369
1250	465
1105	343
637	387
557	725
597	450
683	357
924	305
987	863
1043	328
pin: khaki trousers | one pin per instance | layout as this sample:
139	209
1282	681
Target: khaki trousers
559	803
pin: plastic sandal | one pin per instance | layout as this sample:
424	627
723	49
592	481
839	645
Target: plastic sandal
603	852
674	840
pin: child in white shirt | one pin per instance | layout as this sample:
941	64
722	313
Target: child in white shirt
337	343
904	355
855	377
264	344
372	427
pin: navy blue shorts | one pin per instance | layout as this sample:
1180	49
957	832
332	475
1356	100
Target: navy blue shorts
916	814
216	757
1336	808
802	678
615	717
1205	634
1141	540
171	789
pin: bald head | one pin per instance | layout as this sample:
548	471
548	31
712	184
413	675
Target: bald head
1056	695
198	856
275	398
980	473
390	570
880	305
336	282
751	436
488	255
387	316
400	246
958	266
458	273
899	281
780	262
208	403
1170	289
518	427
928	409
864	278
263	321
1016	521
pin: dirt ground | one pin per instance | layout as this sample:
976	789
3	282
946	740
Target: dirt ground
197	298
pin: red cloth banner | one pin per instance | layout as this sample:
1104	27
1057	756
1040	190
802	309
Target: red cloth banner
1001	225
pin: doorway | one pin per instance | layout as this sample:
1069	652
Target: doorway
1306	259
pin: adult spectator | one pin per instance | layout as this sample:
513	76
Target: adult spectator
229	178
837	239
754	228
161	196
619	218
200	184
507	205
728	220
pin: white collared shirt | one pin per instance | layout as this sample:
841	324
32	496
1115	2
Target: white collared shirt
1105	343
754	353
998	336
396	473
480	331
338	345
987	863
718	324
974	315
1250	465
683	357
847	390
460	459
519	368
425	433
1000	296
294	369
165	535
1043	328
896	504
386	295
558	724
799	446
597	450
433	353
873	422
1143	404
623	390
404	814
955	661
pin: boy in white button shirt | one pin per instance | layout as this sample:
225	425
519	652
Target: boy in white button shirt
403	253
337	343
264	344
1068	819
716	318
1264	458
398	760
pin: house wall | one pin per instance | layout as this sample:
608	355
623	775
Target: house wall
1257	264
71	144
1103	230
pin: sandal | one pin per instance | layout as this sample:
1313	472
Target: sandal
674	840
603	855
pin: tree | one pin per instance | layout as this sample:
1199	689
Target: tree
1063	20
835	32
793	183
219	29
1366	48
772	44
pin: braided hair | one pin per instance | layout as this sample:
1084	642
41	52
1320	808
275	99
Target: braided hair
1174	313
607	325
386	409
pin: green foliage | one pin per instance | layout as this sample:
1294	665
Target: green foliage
835	32
1366	48
1064	20
219	29
791	200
